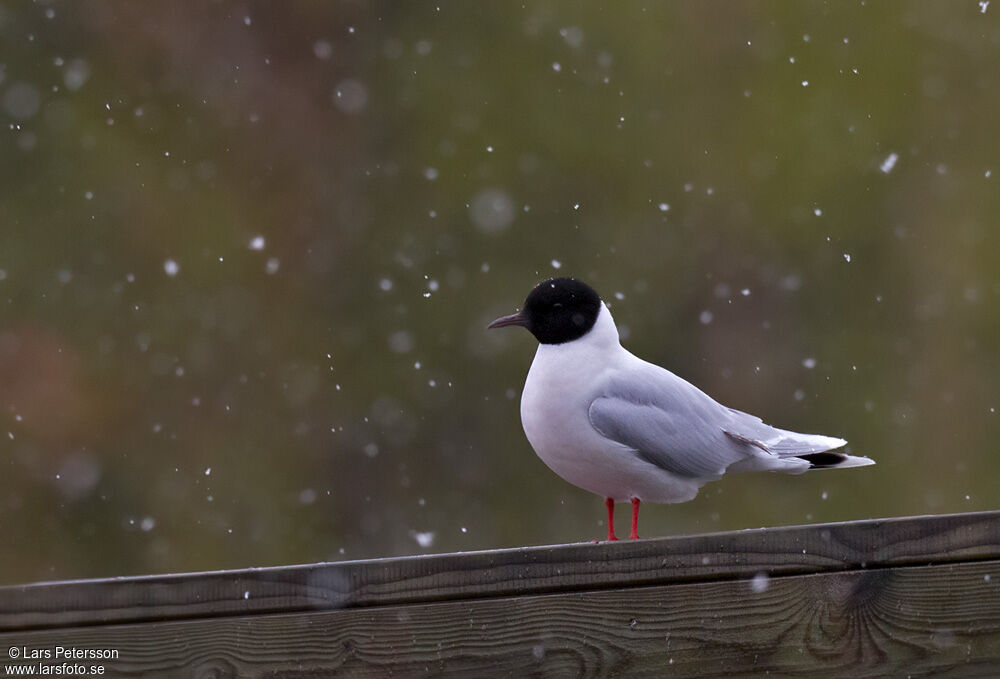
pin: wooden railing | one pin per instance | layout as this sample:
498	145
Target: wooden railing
889	597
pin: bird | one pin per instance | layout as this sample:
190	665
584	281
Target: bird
628	430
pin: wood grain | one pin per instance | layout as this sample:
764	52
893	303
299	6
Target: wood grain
941	620
533	570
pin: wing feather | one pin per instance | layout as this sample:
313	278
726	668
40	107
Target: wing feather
674	425
669	422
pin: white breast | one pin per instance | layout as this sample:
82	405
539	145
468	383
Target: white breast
563	381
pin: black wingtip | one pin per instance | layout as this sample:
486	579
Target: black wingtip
823	460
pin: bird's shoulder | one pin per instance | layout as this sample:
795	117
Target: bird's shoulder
640	382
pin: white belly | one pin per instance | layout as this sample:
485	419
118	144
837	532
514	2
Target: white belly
555	415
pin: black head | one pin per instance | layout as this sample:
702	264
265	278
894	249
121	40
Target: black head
558	310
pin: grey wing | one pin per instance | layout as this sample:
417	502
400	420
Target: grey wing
779	442
668	422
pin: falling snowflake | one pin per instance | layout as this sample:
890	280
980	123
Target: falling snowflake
889	163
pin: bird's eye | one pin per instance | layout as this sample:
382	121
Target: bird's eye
557	305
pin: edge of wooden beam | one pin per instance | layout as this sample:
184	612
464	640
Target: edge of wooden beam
814	548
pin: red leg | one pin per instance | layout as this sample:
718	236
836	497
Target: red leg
635	519
610	504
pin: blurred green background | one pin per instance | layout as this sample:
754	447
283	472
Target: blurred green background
249	250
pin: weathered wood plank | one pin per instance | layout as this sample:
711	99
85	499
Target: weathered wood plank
378	582
941	620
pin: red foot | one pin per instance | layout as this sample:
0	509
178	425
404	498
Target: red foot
610	504
634	535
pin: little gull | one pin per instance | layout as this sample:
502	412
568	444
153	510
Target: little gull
628	430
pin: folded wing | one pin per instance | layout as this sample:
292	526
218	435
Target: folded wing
674	425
